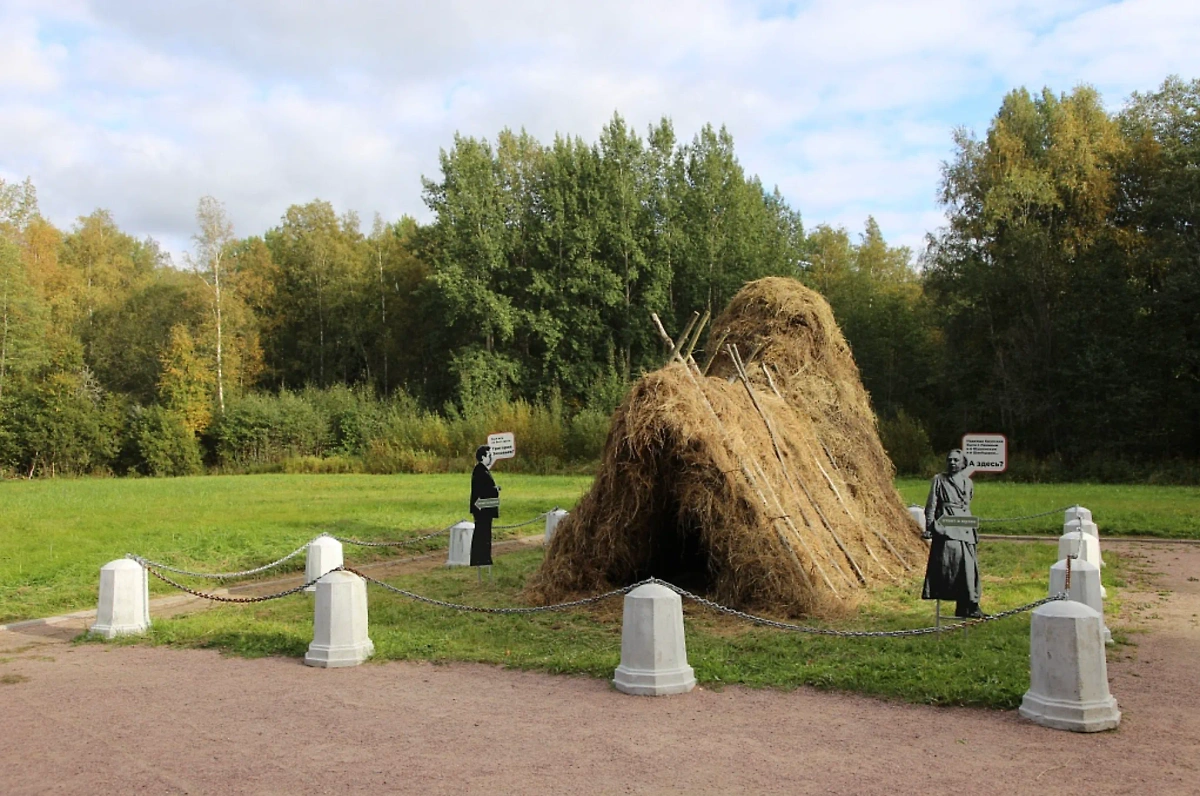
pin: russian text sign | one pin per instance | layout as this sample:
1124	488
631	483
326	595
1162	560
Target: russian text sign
985	453
503	445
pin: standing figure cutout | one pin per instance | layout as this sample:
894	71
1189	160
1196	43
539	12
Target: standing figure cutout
485	506
953	569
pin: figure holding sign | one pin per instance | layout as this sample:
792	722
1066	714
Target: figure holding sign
953	569
485	506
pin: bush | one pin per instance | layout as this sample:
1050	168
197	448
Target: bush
63	424
907	444
352	416
311	465
586	435
164	445
257	429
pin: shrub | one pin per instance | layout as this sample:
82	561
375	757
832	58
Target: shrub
165	445
586	435
257	429
907	444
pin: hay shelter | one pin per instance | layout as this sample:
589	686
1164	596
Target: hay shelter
758	480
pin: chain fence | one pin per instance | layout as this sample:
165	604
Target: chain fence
1027	516
304	547
401	543
219	575
683	593
537	609
824	631
541	516
221	598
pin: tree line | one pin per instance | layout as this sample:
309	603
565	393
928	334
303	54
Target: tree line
1059	305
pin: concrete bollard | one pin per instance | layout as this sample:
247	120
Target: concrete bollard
1077	513
460	544
653	652
1085	588
918	515
1086	526
553	518
1083	546
1068	675
324	554
124	607
340	622
1083	526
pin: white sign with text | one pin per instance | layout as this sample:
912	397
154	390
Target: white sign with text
503	445
985	453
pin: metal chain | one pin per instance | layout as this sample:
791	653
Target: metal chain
1027	517
521	524
403	543
821	631
219	575
758	620
218	598
482	610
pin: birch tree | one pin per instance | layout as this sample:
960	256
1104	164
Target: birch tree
212	241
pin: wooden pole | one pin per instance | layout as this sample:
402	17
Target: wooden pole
737	363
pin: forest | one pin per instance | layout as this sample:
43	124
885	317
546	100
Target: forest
1059	306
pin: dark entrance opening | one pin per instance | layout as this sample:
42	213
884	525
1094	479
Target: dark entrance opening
676	551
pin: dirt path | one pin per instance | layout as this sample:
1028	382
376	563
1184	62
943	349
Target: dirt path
103	719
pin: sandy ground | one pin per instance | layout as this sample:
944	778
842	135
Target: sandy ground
105	719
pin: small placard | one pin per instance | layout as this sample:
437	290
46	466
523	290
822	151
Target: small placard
959	522
985	453
503	445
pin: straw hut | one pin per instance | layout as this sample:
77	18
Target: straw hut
758	479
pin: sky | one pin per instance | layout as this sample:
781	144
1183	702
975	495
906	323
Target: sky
142	107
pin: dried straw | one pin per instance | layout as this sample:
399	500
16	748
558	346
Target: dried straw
757	491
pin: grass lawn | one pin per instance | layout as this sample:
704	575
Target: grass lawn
989	667
56	534
1136	510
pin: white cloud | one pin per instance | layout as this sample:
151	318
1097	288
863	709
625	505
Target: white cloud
142	106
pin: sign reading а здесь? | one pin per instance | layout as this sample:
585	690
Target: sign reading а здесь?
985	453
503	445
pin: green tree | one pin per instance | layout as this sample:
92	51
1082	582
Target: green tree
185	386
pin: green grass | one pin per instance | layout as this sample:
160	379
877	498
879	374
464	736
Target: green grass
988	667
1135	510
56	534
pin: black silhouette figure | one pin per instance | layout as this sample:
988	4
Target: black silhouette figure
485	506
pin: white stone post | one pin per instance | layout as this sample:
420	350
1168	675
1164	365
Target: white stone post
1085	588
340	622
553	518
124	607
460	544
1084	546
1077	513
1084	526
918	515
653	653
324	554
1068	676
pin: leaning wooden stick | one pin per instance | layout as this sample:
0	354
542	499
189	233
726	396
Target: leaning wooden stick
715	350
687	355
741	370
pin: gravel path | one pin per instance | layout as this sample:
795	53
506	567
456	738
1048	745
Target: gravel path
107	719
